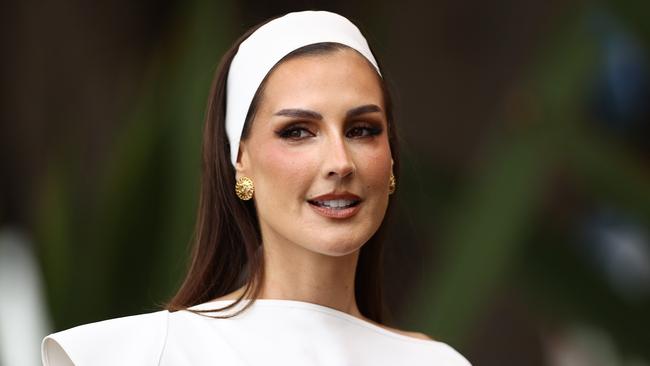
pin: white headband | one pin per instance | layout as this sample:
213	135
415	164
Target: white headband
258	54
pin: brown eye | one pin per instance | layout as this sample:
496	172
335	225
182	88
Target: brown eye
356	132
295	133
363	131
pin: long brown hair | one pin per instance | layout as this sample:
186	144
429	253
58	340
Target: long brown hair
227	240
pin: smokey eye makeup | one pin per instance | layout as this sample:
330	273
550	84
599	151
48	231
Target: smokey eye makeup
294	131
300	131
364	130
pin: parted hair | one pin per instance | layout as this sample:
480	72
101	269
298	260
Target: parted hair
227	241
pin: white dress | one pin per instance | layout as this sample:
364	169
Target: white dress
270	332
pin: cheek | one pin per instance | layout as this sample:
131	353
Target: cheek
282	172
375	166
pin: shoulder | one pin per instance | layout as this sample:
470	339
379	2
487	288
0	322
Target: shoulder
416	335
441	352
131	340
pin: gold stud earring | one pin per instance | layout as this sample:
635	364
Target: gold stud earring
244	188
391	184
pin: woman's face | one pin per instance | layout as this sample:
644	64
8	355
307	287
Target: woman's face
319	140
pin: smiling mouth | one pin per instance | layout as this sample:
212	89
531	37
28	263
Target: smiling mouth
335	204
336	208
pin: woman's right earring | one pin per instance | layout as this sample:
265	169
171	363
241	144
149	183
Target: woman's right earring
244	188
391	184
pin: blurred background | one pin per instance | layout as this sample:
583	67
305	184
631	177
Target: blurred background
523	206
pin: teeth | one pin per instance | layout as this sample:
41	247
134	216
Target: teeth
335	203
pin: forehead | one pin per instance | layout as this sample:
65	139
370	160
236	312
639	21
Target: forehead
338	75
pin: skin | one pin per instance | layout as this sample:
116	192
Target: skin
293	157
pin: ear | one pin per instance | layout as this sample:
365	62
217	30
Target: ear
242	168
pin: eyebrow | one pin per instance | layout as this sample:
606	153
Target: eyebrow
308	114
368	108
299	113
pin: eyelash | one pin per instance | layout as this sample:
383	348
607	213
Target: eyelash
368	129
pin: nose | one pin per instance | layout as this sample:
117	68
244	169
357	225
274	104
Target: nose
338	160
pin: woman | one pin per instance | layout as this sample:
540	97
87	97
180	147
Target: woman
299	157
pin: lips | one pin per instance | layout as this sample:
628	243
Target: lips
336	205
337	201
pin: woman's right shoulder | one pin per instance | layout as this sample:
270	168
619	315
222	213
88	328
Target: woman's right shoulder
130	340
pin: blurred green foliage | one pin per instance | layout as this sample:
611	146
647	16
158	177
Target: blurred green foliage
102	257
497	232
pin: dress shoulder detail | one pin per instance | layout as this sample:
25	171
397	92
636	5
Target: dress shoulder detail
130	340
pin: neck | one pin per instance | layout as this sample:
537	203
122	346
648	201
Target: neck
295	273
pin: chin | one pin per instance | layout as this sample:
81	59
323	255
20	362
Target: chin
337	246
339	251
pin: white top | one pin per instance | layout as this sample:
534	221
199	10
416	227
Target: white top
270	332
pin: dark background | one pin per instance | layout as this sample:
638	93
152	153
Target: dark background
524	203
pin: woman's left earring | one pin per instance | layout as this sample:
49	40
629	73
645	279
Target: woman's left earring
391	184
244	188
